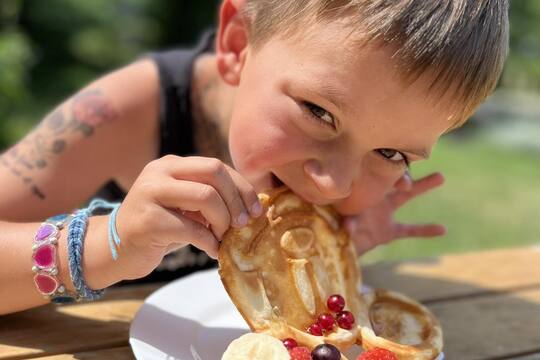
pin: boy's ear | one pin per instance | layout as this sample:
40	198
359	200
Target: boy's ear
231	43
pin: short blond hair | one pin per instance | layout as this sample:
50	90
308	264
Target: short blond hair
462	44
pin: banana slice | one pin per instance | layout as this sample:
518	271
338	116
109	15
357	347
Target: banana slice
255	346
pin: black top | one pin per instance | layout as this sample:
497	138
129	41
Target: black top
176	137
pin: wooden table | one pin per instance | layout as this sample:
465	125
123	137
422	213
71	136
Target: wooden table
488	303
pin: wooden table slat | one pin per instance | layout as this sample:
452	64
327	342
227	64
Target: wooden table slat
58	329
119	353
527	357
490	326
459	275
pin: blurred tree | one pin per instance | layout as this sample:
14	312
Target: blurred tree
16	57
523	65
49	49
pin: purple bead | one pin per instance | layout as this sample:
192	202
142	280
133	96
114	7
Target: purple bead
45	231
44	256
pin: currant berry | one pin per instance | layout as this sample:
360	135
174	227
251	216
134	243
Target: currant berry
335	303
290	343
345	319
315	329
326	321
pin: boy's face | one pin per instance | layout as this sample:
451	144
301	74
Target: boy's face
330	119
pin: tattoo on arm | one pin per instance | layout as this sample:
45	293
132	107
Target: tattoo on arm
87	111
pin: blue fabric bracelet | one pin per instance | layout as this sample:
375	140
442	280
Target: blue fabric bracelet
114	239
76	235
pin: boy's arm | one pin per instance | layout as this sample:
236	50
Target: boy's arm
107	130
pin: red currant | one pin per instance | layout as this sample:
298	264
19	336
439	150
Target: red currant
335	303
315	329
326	321
345	319
290	343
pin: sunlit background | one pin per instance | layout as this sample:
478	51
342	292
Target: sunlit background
49	49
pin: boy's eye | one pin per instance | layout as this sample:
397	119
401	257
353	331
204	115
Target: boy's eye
320	113
393	155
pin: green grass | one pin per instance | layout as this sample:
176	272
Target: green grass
490	200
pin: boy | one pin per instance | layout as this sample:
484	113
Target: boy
332	98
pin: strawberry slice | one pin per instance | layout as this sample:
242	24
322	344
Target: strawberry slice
377	354
300	353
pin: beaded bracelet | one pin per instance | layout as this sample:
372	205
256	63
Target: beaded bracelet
76	235
44	261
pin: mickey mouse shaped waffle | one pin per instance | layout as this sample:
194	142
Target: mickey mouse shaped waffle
293	275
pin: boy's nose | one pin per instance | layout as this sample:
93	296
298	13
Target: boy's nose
334	182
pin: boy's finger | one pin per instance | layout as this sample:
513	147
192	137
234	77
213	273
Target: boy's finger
197	216
192	197
427	183
362	246
183	230
200	237
404	183
351	224
419	230
215	173
399	198
247	192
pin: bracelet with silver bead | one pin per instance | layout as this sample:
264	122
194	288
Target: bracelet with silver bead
44	260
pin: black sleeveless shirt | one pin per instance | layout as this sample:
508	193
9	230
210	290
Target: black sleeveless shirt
175	69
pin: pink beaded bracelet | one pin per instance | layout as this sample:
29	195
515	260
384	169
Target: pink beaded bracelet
44	259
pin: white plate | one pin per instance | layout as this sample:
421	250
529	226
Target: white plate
189	319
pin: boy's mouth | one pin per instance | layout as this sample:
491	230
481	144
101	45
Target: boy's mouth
276	182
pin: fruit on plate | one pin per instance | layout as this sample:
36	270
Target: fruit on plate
290	343
325	352
256	347
377	354
300	353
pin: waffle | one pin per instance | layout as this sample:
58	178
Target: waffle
280	269
401	325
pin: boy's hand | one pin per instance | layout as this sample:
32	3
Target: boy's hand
376	225
177	201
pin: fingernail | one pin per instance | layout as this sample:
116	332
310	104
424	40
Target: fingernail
242	219
257	209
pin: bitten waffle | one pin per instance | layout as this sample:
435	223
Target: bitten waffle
281	269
